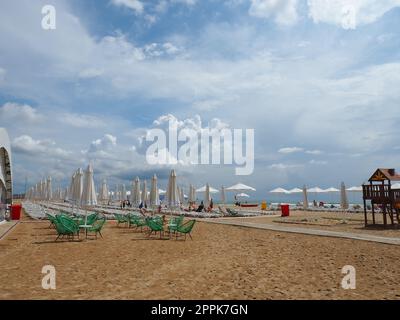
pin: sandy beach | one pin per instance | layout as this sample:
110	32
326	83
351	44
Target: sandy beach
222	262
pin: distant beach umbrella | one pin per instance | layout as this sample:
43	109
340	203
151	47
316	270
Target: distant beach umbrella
344	203
295	190
181	196
240	187
210	189
279	190
103	195
316	190
49	190
154	199
242	195
89	197
123	192
305	198
331	190
162	192
207	196
77	189
136	192
223	199
144	193
172	196
394	186
360	189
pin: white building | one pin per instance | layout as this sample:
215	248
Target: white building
5	172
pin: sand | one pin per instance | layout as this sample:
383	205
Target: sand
222	262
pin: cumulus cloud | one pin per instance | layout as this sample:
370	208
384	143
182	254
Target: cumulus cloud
283	166
11	111
349	14
134	5
284	12
44	148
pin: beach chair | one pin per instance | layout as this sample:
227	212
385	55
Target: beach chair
52	220
137	221
232	212
97	226
222	210
65	226
174	223
155	226
185	229
121	218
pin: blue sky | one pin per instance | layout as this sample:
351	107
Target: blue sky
320	91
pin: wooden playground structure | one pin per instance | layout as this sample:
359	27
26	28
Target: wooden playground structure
380	192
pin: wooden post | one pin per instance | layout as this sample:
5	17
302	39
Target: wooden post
365	212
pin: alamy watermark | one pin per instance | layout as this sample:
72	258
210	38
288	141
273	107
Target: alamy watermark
205	147
49	280
49	17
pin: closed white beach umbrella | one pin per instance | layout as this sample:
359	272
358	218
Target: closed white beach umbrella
49	190
207	196
223	199
182	196
344	202
89	197
78	185
136	192
172	196
191	194
103	195
123	192
305	198
70	193
154	199
144	193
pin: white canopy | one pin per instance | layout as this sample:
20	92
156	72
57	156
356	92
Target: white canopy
358	189
295	190
279	190
316	190
331	190
242	195
240	187
203	189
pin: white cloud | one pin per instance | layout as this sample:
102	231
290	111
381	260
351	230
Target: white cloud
314	152
135	5
318	162
90	73
19	112
44	148
282	166
284	12
349	14
81	120
290	150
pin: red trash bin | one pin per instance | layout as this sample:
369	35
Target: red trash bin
16	211
285	210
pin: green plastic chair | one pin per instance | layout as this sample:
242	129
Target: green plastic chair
155	226
138	222
186	229
121	218
52	220
97	226
65	226
174	222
